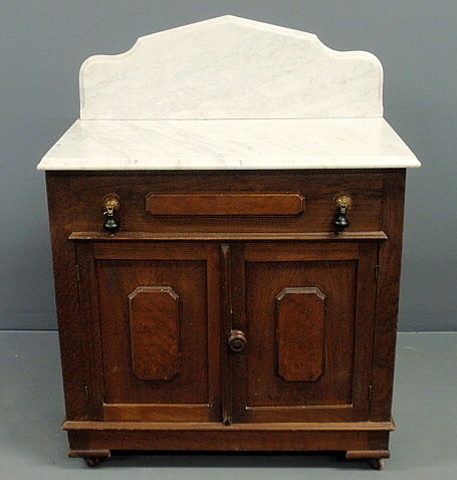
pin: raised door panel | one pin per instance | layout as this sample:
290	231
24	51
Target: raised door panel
160	333
307	311
300	317
154	316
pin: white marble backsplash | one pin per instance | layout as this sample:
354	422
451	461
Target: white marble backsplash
230	68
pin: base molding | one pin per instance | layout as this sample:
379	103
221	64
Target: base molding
94	441
75	425
357	440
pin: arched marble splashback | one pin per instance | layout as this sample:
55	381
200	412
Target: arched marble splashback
231	68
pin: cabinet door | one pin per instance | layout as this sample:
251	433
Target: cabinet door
307	311
157	310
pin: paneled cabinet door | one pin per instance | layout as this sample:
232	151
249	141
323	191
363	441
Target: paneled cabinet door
157	310
307	314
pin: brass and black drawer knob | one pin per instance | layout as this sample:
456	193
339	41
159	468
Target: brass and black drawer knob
111	204
343	202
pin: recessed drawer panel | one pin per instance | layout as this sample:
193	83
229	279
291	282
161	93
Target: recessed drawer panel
236	204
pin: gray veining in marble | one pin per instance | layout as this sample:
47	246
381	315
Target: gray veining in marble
230	93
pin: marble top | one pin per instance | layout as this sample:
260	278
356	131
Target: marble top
230	93
229	144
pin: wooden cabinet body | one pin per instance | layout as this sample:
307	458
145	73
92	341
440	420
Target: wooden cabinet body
226	313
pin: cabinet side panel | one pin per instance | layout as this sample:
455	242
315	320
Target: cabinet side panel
388	296
60	201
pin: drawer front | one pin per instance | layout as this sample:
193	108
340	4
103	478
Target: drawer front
227	202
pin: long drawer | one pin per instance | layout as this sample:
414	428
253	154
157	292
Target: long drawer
224	202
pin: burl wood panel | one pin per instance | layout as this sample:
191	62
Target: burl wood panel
154	332
300	315
243	204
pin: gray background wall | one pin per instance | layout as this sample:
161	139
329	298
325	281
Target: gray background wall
44	42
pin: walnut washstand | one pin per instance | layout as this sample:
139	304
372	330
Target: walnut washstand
226	222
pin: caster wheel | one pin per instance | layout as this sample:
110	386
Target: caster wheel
92	462
378	463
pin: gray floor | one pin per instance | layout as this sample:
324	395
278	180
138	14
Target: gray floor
33	447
